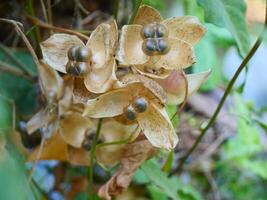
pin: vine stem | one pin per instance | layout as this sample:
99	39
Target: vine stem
137	5
225	95
92	157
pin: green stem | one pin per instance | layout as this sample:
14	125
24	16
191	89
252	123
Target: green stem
92	158
225	95
36	32
138	3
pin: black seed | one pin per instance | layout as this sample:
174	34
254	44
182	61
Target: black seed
149	31
83	54
140	105
130	113
149	46
161	31
72	53
87	144
162	45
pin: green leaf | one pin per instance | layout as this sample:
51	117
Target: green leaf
230	14
156	193
6	116
160	179
20	90
168	164
207	59
171	110
14	183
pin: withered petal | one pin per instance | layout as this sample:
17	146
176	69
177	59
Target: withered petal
54	149
180	56
177	94
74	127
109	104
100	45
50	81
113	131
146	15
148	83
100	80
141	69
55	49
130	46
39	120
187	28
157	127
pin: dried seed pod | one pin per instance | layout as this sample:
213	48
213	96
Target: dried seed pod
161	31
130	113
140	104
149	46
162	46
83	54
72	53
149	31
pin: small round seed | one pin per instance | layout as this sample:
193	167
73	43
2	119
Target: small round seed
72	53
162	45
161	31
87	144
77	68
130	113
149	31
83	54
149	46
140	105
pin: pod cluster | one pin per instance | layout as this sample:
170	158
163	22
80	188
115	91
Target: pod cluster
79	60
155	39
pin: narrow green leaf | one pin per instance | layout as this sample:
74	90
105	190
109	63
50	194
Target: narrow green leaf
168	164
231	14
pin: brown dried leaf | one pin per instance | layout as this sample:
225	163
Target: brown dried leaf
146	15
134	155
55	50
187	28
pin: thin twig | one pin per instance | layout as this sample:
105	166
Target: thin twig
92	157
41	24
225	95
44	11
18	26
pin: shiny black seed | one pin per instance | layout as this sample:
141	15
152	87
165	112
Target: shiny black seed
87	144
140	105
161	31
77	68
149	31
162	45
149	46
130	113
83	54
72	53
